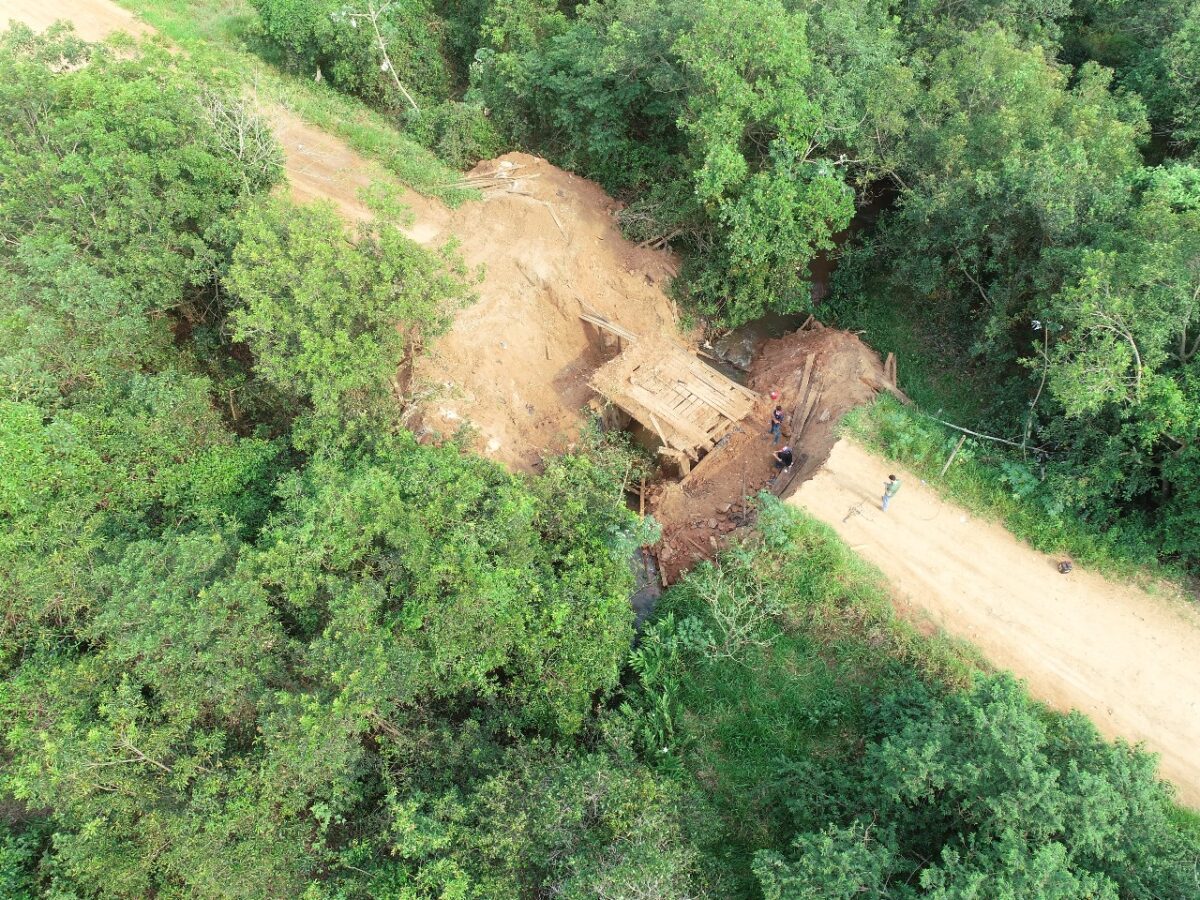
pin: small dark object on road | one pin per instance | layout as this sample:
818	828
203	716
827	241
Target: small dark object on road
1065	566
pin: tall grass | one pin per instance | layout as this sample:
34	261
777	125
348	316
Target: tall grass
220	37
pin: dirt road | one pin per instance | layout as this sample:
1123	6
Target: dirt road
94	20
1126	658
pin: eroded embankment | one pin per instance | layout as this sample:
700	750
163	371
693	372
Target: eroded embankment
514	364
818	375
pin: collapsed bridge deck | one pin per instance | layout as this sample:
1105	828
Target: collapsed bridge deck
688	404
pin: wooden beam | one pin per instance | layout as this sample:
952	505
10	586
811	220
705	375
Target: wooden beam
709	373
601	322
802	394
961	440
691	435
813	396
658	428
707	395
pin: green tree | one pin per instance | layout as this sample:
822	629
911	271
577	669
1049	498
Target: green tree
988	195
114	155
349	42
1153	49
1121	366
778	204
982	793
331	319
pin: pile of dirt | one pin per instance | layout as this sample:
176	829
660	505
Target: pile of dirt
700	512
516	363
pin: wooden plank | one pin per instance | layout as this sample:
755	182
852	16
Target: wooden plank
708	371
688	435
798	430
656	403
639	411
680	398
716	401
802	394
721	389
658	428
601	322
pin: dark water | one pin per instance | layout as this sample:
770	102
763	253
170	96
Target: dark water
737	348
649	588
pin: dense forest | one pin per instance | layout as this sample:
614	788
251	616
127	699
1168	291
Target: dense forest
259	641
1033	160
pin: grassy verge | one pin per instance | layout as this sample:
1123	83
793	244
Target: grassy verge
802	684
995	484
935	372
219	35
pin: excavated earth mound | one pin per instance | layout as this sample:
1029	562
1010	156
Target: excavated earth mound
699	512
516	363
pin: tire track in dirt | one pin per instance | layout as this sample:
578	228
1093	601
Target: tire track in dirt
1128	659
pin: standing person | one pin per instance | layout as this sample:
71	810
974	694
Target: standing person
783	458
889	490
777	425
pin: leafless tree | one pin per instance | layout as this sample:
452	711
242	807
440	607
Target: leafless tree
243	133
738	612
372	13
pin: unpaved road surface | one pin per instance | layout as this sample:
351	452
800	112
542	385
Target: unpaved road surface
94	20
319	166
1128	659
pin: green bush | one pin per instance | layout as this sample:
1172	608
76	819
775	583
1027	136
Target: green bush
459	134
342	42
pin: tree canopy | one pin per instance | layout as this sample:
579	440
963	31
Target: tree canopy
260	640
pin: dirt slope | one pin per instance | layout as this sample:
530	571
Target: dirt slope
1128	659
94	20
515	364
700	512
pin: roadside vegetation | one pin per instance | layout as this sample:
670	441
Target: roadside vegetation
831	751
259	640
220	39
